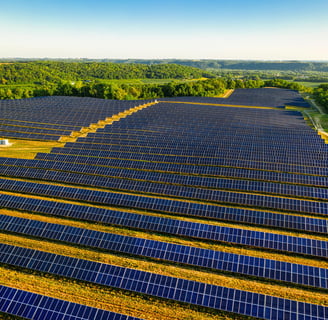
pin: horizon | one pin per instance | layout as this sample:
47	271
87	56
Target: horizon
163	59
253	30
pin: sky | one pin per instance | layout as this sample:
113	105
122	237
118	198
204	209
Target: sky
170	29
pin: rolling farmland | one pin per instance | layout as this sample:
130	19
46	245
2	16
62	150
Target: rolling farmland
181	208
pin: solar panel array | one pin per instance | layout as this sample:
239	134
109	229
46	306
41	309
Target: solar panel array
49	118
34	306
306	224
216	260
217	196
258	239
261	97
257	175
192	292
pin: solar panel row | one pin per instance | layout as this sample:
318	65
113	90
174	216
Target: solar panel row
228	153
265	97
213	171
239	155
34	306
194	181
218	139
13	122
213	196
33	130
197	293
279	242
314	225
70	111
223	139
98	150
223	261
29	136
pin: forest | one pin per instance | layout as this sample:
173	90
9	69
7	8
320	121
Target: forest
294	66
125	80
54	71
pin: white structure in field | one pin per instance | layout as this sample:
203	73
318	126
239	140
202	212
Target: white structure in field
4	142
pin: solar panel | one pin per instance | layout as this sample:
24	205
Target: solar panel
34	306
94	150
223	261
257	239
174	206
233	172
192	292
70	111
269	97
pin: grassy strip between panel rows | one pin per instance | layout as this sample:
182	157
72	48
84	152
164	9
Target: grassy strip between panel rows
4	316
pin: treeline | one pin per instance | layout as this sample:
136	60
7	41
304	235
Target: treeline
125	91
296	66
42	72
293	65
119	91
321	95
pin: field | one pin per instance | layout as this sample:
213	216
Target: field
310	84
181	208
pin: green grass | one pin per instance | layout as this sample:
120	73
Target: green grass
310	84
324	121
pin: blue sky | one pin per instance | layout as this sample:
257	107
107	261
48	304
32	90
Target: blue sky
202	29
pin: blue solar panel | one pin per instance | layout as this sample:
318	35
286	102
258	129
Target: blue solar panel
269	152
34	306
46	112
232	171
174	206
257	239
192	292
263	268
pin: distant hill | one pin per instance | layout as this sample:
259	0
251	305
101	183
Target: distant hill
205	64
241	64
